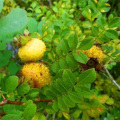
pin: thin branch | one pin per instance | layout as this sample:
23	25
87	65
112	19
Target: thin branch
119	33
5	101
110	77
42	100
45	62
2	114
47	116
50	3
53	117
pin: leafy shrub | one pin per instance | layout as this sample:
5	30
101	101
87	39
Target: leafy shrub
80	87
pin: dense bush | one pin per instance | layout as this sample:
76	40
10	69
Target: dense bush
59	59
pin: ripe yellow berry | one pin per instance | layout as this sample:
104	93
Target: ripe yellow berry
32	51
95	52
36	72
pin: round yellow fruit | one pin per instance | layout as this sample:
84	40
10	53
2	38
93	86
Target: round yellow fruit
95	52
32	51
36	72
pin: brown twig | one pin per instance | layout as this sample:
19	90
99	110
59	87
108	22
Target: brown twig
2	114
45	62
5	101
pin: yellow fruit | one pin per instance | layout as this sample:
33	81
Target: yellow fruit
32	51
95	52
36	72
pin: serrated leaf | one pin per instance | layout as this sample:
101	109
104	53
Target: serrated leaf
86	24
83	91
11	83
23	89
64	46
95	30
62	105
11	117
87	77
66	115
68	78
71	61
87	13
80	57
75	97
33	93
55	106
29	111
86	44
60	86
115	22
55	66
68	101
62	63
73	41
112	34
101	22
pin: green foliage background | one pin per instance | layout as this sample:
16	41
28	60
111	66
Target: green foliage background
66	27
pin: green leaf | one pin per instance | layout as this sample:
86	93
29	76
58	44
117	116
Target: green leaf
68	79
1	5
55	66
55	9
23	89
11	83
86	44
68	101
101	22
60	86
41	116
33	93
80	57
32	25
73	41
87	77
55	106
84	91
4	57
62	105
95	30
75	97
68	22
71	61
58	23
29	111
64	46
11	117
87	13
76	114
12	68
115	22
40	26
110	101
86	24
112	34
13	22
